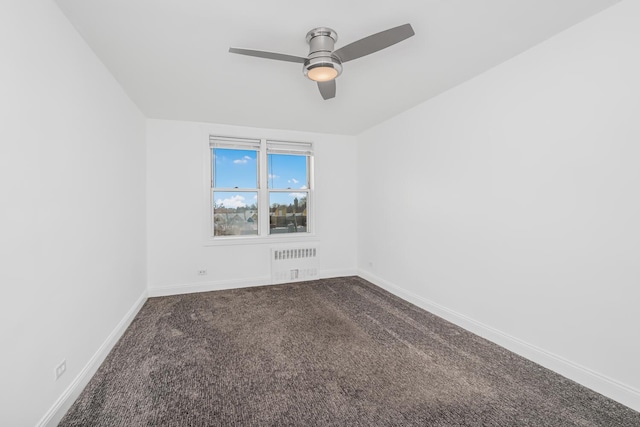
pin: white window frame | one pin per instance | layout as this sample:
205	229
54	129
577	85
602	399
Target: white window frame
264	146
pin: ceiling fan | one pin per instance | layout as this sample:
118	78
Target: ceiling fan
324	64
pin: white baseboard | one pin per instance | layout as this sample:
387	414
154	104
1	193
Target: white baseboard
188	288
602	384
64	402
326	274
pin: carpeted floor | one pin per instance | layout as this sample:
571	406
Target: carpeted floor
334	352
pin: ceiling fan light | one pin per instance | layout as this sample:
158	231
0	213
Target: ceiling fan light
322	73
322	68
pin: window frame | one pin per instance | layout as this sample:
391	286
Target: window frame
252	145
265	146
290	149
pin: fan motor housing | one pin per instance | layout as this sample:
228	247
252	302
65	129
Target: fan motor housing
321	45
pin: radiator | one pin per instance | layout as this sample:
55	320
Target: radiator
294	264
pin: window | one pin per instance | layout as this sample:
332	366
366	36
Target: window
235	170
260	187
288	184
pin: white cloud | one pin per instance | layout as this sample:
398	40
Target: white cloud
273	176
236	201
304	187
293	180
298	195
242	161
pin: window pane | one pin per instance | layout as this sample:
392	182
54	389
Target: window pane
287	212
235	213
288	171
234	168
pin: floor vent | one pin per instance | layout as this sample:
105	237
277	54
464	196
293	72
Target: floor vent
294	264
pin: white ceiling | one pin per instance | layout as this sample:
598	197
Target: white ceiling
171	56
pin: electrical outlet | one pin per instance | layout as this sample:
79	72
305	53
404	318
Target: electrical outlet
202	272
61	369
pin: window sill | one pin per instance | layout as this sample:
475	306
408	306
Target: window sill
260	240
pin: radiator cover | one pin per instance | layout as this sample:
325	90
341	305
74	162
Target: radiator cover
294	263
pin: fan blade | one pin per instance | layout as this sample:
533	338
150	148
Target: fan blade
374	43
327	89
268	55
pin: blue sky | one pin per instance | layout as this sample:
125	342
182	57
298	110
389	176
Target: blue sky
287	171
235	168
239	169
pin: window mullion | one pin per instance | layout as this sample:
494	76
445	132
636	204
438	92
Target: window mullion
263	194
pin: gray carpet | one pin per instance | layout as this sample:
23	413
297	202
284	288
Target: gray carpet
334	352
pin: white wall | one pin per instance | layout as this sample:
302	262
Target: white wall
72	212
510	203
177	154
